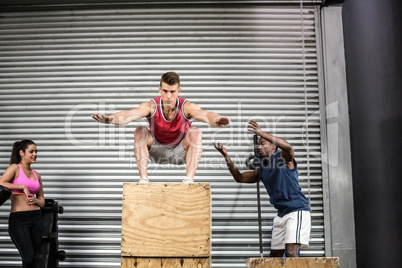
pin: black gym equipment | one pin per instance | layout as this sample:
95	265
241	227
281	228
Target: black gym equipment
253	162
331	2
49	254
4	195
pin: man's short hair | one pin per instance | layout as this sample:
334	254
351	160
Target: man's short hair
170	78
276	146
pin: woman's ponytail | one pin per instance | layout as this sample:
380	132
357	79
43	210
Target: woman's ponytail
17	146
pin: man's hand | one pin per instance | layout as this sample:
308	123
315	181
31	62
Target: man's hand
222	121
218	146
254	127
246	177
102	118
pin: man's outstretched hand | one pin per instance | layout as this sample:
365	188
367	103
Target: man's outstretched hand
222	121
102	118
218	146
254	127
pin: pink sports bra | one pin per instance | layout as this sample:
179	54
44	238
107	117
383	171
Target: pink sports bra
32	185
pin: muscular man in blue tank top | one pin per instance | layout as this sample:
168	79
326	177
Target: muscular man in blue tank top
279	173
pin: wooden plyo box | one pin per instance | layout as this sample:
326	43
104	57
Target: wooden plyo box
164	221
132	262
332	262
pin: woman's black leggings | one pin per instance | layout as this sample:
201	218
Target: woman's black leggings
25	229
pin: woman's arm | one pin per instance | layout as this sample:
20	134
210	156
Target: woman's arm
8	177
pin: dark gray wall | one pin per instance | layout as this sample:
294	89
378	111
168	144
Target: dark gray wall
373	44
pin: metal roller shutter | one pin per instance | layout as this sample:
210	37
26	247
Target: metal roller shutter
57	67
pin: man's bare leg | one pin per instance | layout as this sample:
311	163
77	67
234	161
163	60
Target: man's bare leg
276	253
192	143
142	143
292	250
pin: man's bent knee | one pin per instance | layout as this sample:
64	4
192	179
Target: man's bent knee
193	139
139	132
141	136
195	134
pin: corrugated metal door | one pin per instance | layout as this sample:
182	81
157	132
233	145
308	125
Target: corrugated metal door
57	67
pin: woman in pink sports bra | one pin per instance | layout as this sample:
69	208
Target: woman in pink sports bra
25	224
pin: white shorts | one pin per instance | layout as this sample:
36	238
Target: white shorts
164	154
293	228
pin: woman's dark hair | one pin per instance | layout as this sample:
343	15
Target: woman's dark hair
17	146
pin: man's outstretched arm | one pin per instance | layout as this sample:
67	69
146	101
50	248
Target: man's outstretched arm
193	111
126	116
246	177
287	152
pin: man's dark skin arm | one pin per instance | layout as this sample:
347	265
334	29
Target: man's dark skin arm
246	177
287	152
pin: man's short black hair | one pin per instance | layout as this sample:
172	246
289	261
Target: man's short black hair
276	146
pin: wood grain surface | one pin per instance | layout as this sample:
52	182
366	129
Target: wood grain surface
293	262
166	220
133	262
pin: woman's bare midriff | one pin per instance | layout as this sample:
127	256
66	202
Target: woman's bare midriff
19	203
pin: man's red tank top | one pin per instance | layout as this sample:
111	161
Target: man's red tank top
169	132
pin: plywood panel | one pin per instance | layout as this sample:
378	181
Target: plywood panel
293	263
132	262
166	220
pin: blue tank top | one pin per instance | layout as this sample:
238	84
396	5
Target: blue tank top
282	185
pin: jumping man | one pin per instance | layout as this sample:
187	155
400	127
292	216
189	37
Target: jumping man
170	137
